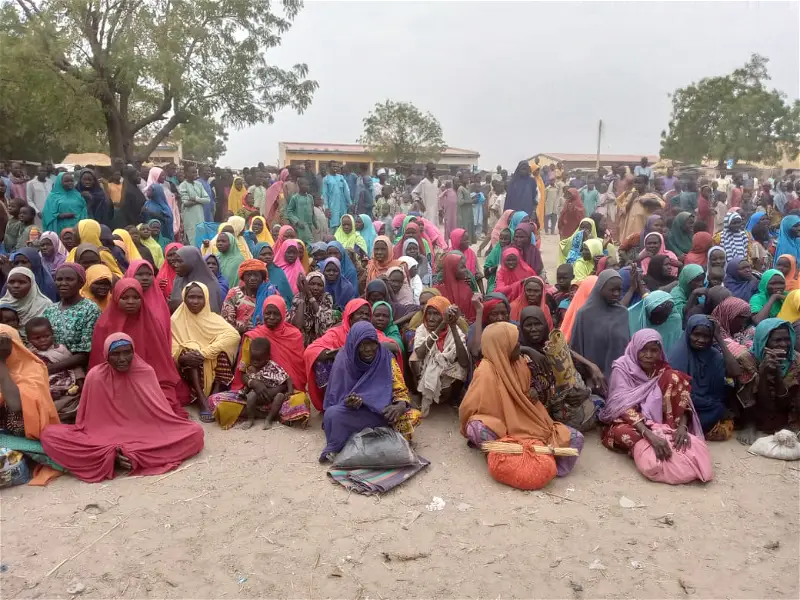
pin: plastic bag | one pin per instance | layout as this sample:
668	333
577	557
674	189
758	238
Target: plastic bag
782	445
376	448
13	469
526	471
683	466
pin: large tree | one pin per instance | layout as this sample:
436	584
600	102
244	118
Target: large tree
399	133
734	117
203	140
153	65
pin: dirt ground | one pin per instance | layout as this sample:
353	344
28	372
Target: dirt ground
254	515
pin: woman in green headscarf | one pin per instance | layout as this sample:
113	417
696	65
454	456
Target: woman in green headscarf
383	320
64	205
657	311
229	258
768	300
679	238
690	279
492	262
151	243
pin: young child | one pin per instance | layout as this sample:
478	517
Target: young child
27	214
9	316
65	386
321	230
563	292
14	227
385	216
264	375
715	277
276	230
300	211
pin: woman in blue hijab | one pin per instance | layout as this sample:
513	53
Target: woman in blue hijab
30	258
349	270
367	231
340	289
263	252
789	238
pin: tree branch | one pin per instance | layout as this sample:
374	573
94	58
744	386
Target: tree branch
159	137
158	115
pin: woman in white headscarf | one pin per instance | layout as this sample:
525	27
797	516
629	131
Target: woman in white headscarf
414	279
23	295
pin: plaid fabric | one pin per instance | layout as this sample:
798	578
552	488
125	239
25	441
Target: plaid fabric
371	482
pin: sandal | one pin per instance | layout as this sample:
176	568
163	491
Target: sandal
206	416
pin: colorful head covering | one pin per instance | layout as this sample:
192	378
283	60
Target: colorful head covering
264	235
786	243
198	273
229	261
698	253
352	239
763	331
341	290
791	307
734	243
349	270
32	304
368	232
293	270
761	297
639	318
678	239
93	274
60	252
44	279
741	288
680	293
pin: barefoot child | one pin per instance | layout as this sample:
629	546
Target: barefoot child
264	382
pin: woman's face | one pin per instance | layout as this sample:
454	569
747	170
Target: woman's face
89	258
316	286
612	291
181	268
776	285
784	265
238	184
134	233
464	243
412	250
68	239
432	318
121	358
745	270
272	316
144	275
46	248
652	243
661	313
697	282
68	284
521	238
170	257
347	226
266	255
18	285
331	273
510	262
362	314
380	252
291	255
533	292
257	226
144	232
738	323
380	317
505	238
195	300
498	313
779	339
423	299
252	279
717	259
213	265
461	271
367	350
396	280
101	288
700	338
649	356
223	244
688	224
794	232
586	228
535	330
334	252
20	260
359	224
68	181
601	226
162	177
659	226
736	224
586	253
130	302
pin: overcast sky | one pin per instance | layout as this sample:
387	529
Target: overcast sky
510	80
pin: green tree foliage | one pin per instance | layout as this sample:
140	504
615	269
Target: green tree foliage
203	140
732	116
152	65
399	133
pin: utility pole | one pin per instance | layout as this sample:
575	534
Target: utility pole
599	135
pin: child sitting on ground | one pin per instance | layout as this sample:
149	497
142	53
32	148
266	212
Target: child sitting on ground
266	384
65	384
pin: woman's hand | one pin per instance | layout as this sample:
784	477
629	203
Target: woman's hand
66	216
191	359
597	380
451	314
301	285
477	303
326	355
162	283
353	402
538	358
681	438
394	411
660	445
6	345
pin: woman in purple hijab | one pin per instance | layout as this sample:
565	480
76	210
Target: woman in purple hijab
365	389
650	403
522	192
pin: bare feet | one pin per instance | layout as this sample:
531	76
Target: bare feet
248	424
748	435
122	461
268	423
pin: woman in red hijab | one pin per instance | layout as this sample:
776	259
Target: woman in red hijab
166	274
571	214
124	420
132	312
512	272
460	241
704	207
142	271
455	284
698	255
319	355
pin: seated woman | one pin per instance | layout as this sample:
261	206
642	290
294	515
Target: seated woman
658	274
141	435
165	279
654	245
258	232
319	356
30	259
440	362
739	279
350	270
312	310
698	253
383	321
571	401
497	403
275	275
457	284
190	268
651	402
52	251
349	237
579	296
204	346
768	300
586	265
494	308
787	264
570	247
239	306
689	289
512	272
777	395
601	333
522	240
381	259
286	350
99	281
657	311
73	318
339	288
26	408
212	260
492	262
136	315
734	238
704	356
414	280
287	257
229	258
679	238
459	240
88	232
23	295
381	289
366	390
532	293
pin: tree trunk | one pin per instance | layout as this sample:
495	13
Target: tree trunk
116	145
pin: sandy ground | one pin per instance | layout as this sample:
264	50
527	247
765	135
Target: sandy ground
255	516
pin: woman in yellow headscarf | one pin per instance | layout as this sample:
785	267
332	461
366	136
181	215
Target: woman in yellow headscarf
535	169
237	195
131	251
88	232
264	234
236	224
96	274
570	248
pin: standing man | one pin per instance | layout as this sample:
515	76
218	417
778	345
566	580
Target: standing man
464	201
427	195
670	180
37	191
210	208
336	196
193	199
351	179
643	169
311	178
590	197
377	187
258	192
552	193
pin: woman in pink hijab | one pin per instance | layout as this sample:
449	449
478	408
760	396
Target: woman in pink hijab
157	175
287	257
274	193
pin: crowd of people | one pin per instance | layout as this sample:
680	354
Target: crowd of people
671	320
